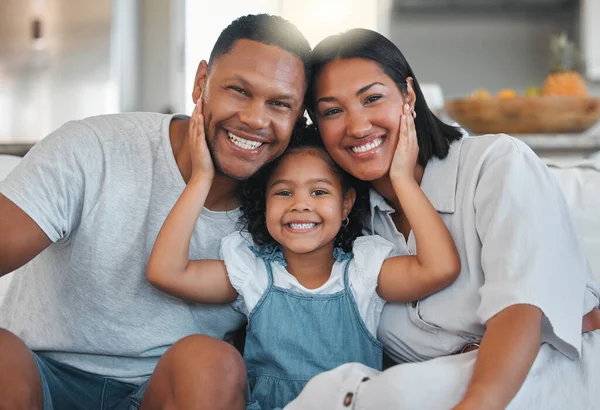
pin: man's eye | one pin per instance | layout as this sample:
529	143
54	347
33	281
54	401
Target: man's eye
281	104
372	98
319	192
239	90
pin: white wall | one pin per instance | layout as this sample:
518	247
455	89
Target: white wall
493	50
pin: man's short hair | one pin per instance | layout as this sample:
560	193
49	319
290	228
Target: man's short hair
266	29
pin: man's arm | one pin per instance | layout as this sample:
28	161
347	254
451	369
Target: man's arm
21	239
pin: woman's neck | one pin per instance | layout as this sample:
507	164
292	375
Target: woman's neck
385	188
312	269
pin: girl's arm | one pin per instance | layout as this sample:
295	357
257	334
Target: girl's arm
436	265
169	267
508	349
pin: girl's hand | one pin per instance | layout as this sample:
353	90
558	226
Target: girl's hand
202	164
407	150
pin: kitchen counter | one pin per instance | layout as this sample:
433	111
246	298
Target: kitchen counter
15	148
544	144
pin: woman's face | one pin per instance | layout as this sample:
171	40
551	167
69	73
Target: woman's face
358	110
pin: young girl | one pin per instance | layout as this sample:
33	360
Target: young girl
312	289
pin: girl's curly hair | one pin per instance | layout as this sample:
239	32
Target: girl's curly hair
253	193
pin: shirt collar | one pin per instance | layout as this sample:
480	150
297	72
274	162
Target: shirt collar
438	183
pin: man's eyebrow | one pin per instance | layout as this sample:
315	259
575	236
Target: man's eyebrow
358	93
246	84
310	181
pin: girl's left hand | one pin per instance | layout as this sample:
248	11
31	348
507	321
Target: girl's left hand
407	150
202	164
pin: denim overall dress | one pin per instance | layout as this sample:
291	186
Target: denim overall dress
292	337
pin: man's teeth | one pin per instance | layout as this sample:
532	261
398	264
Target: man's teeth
368	147
242	143
302	226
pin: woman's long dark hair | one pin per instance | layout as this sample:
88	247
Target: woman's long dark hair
434	136
254	204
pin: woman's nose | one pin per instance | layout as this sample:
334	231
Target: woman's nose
358	125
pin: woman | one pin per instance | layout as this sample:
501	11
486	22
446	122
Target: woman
507	333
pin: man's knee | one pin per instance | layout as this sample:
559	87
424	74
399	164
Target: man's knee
200	355
197	372
20	384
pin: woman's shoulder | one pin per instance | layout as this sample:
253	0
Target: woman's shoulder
492	146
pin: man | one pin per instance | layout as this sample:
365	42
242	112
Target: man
81	325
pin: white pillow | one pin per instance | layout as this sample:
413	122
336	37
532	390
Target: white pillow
580	183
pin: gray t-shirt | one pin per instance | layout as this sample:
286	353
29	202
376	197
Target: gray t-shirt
100	189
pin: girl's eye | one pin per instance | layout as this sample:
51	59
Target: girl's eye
319	192
372	98
283	193
332	111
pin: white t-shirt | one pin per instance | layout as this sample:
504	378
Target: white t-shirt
248	275
100	189
517	245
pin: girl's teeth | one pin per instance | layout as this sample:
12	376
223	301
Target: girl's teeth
242	143
302	226
368	147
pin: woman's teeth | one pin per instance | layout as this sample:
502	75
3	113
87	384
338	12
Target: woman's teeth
242	143
368	147
302	226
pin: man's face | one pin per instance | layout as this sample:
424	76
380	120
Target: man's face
252	99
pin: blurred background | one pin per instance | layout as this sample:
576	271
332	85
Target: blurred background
69	59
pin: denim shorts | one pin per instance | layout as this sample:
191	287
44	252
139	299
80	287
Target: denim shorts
67	388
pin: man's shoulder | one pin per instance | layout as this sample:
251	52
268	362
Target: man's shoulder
128	124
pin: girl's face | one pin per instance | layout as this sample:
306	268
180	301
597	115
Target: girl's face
358	110
305	206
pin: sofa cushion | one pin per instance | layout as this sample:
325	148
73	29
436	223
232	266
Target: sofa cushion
580	183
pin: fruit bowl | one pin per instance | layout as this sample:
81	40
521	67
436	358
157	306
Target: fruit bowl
525	115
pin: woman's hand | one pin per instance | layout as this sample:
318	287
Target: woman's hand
202	164
407	150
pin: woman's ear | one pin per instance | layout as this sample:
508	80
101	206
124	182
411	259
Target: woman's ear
349	199
411	97
200	81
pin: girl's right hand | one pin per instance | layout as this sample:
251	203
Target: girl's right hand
202	164
407	150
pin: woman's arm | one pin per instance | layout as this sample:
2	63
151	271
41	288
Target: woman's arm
508	349
169	267
437	264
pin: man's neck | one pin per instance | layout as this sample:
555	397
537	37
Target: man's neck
223	194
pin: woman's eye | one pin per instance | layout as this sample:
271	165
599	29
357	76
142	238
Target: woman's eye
372	98
332	111
319	192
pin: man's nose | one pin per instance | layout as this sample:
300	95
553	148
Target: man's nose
254	115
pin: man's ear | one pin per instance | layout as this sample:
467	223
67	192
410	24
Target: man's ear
349	199
200	81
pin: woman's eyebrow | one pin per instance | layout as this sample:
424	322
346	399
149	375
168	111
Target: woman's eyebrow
358	93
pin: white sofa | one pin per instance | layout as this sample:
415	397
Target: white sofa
579	179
